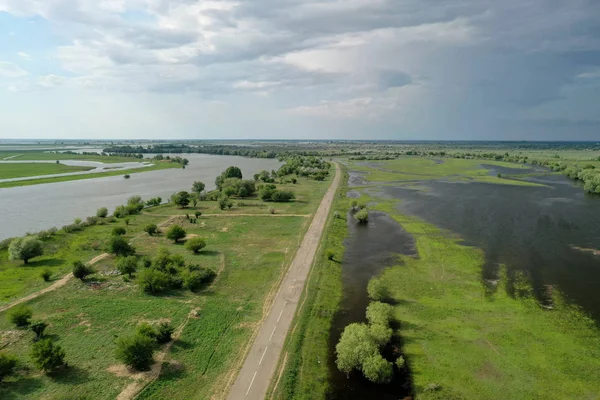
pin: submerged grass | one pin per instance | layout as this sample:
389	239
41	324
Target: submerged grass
21	170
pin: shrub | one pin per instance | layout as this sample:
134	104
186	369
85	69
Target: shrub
119	231
47	356
224	202
330	255
127	220
195	279
195	244
120	212
80	270
362	216
354	204
25	248
181	199
127	265
38	327
271	210
164	333
7	365
197	214
102	212
145	329
377	290
379	313
152	281
72	228
155	201
46	274
282	196
20	315
151	229
77	221
176	233
198	187
377	369
135	351
118	246
336	214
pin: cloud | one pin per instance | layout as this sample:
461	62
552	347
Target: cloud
51	81
10	70
24	56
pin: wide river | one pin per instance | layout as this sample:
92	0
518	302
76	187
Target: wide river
34	208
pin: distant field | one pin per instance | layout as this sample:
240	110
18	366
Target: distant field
249	252
19	170
50	156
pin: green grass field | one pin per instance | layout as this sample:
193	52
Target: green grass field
19	170
250	254
52	156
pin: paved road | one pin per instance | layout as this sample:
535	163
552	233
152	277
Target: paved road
258	369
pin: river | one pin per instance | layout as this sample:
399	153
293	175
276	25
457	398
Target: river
34	208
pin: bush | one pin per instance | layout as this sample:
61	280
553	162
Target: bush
151	229
145	329
195	279
20	315
38	327
181	199
152	281
224	202
377	290
379	313
72	228
25	248
46	274
330	255
354	204
135	351
198	187
282	196
336	214
195	244
102	212
176	233
362	216
164	333
197	214
127	220
119	231
118	246
271	210
126	176
7	365
80	270
127	265
47	356
377	369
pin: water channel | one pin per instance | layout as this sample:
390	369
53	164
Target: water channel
34	208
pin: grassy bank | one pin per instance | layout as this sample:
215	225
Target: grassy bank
18	170
51	156
29	182
249	253
302	371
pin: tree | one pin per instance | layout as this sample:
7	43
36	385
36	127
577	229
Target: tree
379	313
362	216
233	172
377	290
7	365
176	233
153	281
135	351
377	369
20	315
195	244
118	231
181	199
25	248
80	270
47	356
225	202
118	246
355	345
381	334
151	229
198	187
102	212
38	327
127	265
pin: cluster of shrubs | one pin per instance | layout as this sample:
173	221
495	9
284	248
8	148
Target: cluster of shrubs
169	271
137	351
311	167
269	192
361	212
45	354
134	206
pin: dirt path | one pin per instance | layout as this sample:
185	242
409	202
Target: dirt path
258	369
58	284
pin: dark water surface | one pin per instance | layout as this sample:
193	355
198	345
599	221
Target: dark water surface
369	250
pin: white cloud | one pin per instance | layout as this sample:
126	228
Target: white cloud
10	70
50	81
24	55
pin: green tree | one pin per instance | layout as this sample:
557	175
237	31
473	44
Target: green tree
195	244
381	334
80	270
119	246
377	369
198	187
20	315
282	196
151	229
181	199
7	365
225	202
377	290
355	345
47	356
38	327
362	216
164	332
176	233
102	212
379	313
153	281
127	265
118	231
25	248
135	351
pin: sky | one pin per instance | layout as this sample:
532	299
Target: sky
292	69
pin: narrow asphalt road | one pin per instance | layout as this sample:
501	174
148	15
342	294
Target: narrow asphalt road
258	369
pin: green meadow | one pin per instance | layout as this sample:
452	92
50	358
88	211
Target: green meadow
19	170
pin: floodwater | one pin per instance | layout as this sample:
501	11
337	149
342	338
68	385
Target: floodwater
546	234
370	249
34	208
